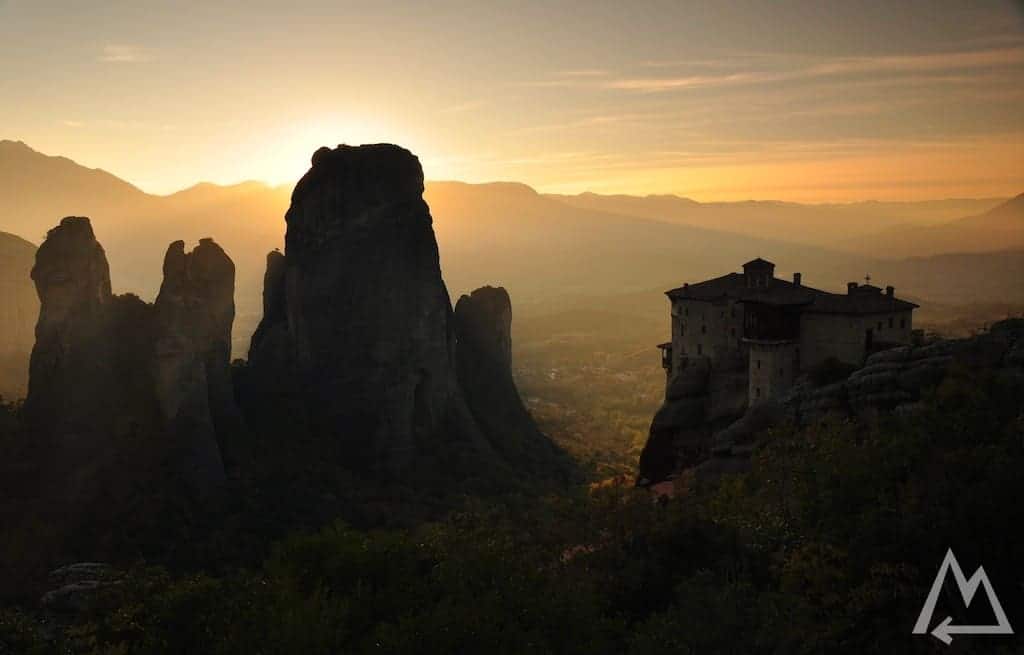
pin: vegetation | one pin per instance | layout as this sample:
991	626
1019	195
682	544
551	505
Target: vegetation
829	543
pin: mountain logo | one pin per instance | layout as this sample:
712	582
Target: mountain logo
945	630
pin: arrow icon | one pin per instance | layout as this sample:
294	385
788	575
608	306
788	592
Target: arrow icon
944	631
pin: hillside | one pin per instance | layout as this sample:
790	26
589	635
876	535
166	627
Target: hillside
19	307
999	228
819	224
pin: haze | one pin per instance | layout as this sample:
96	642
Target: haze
791	101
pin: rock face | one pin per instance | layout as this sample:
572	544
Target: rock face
483	327
19	309
698	398
194	313
358	339
120	389
71	372
890	381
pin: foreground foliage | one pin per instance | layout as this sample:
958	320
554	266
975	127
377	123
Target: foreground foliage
829	544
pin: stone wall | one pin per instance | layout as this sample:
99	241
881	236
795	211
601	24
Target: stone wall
773	369
705	328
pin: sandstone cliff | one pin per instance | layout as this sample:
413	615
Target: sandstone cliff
358	340
19	309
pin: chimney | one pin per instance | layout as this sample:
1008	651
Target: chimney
851	287
889	290
686	285
796	279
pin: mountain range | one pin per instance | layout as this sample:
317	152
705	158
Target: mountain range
552	252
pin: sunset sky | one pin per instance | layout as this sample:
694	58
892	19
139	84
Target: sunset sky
807	100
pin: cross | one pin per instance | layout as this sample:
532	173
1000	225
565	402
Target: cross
867	279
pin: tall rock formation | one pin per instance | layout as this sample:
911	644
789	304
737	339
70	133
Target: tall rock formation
72	366
358	344
19	309
483	328
121	390
194	313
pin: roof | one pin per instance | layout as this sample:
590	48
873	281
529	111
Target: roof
759	263
864	299
859	303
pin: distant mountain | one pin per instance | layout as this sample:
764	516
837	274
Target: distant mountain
999	228
821	225
19	307
550	252
37	190
541	248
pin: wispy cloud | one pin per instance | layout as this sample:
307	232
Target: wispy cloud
832	68
592	72
123	54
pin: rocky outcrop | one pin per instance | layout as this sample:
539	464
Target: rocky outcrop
699	397
79	588
19	309
121	390
890	381
72	365
194	313
483	328
687	434
357	345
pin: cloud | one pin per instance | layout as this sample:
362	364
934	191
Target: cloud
594	72
832	67
123	54
72	123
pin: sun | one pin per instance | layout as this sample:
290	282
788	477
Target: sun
288	151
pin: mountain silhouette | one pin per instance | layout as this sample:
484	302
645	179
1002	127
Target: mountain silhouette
546	250
1000	228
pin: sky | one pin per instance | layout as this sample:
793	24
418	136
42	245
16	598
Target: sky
793	100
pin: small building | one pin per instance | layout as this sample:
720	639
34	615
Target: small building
780	328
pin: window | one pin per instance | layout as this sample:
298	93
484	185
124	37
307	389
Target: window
733	332
879	326
757	392
758	364
703	329
732	312
782	372
700	349
890	321
686	311
682	328
903	323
